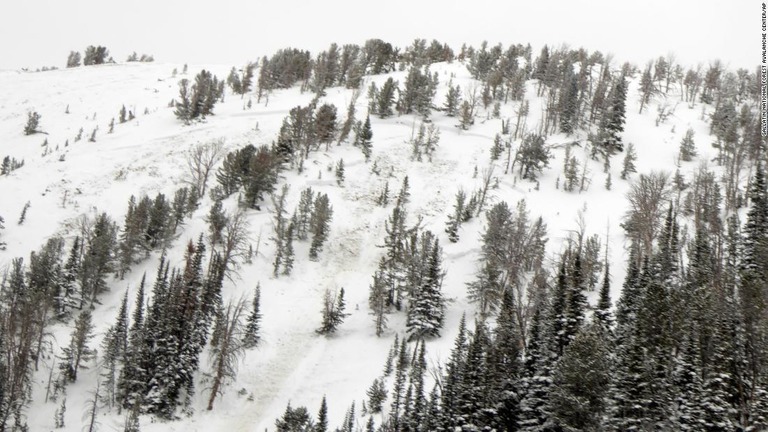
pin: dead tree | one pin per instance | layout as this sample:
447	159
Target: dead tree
200	162
227	353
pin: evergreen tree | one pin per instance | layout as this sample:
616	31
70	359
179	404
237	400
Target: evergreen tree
217	220
333	312
183	110
363	138
647	88
319	224
340	172
455	219
233	80
580	382
325	123
377	394
295	420
751	290
33	123
253	323
569	104
95	55
537	381
505	364
576	301
603	314
78	351
322	417
386	97
378	298
73	60
427	306
533	156
629	162
687	146
452	100
466	115
498	148
612	123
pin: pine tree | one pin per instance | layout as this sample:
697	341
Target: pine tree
576	301
333	312
363	138
322	417
472	404
455	219
629	162
33	123
325	124
122	117
183	108
427	308
569	104
319	224
452	100
253	323
612	123
386	97
78	351
377	394
498	148
687	146
603	314
233	80
340	172
505	364
647	88
73	60
280	226
378	299
466	116
217	220
580	382
537	381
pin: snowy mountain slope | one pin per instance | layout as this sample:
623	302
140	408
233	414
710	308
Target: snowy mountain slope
292	364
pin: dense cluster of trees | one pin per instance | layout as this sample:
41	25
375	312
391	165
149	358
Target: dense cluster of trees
410	275
684	348
197	101
144	58
94	55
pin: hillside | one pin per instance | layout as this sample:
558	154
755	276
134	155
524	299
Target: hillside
67	180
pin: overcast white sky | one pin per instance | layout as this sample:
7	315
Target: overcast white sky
34	33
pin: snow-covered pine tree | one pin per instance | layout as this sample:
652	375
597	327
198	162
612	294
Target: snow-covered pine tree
427	305
580	382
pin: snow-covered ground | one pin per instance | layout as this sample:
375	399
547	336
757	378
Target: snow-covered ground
292	364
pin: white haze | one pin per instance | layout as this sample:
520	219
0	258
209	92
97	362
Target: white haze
35	33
